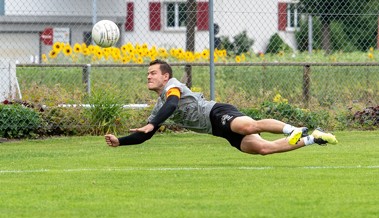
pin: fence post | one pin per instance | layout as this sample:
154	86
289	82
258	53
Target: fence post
188	75
86	78
306	84
211	50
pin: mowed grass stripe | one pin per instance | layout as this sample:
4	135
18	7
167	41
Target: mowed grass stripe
184	169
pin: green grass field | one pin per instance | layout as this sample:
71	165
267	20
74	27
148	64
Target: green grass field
188	175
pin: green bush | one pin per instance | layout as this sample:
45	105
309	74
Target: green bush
289	114
277	44
340	40
64	121
18	121
241	43
104	112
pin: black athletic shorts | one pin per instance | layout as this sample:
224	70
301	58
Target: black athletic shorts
221	116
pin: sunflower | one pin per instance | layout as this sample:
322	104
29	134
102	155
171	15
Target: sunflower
86	51
173	52
44	58
57	47
238	59
53	54
190	57
78	48
243	57
125	59
124	48
215	58
99	53
197	56
205	54
67	50
162	52
139	60
91	49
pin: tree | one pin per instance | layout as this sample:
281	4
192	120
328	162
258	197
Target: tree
190	38
358	18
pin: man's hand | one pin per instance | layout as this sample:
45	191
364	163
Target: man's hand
112	140
146	129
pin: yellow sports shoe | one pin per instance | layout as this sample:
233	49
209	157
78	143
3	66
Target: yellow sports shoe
321	137
297	134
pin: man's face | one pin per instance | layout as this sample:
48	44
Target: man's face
155	79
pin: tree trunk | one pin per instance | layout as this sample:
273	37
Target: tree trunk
326	36
190	38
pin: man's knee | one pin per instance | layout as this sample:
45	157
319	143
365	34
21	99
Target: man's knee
255	147
246	128
261	151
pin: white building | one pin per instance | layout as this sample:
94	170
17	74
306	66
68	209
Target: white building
24	23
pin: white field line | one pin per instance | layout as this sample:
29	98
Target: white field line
4	171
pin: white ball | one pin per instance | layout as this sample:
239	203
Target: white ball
105	33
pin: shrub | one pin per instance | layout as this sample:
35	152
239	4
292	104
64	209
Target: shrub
241	43
64	121
104	113
277	44
368	117
289	114
18	121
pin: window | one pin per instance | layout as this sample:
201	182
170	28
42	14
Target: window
292	17
175	15
288	17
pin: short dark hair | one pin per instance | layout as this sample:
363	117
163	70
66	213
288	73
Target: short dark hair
163	66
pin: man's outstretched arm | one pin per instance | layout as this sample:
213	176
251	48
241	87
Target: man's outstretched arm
144	133
132	139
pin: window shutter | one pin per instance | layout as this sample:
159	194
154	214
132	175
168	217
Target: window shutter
282	16
155	15
202	18
129	24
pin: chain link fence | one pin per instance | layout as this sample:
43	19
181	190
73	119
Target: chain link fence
306	62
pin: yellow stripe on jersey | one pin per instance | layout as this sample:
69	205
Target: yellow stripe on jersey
173	91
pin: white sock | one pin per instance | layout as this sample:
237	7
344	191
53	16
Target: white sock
309	140
287	129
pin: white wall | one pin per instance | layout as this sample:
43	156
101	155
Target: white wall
161	38
259	18
64	7
19	47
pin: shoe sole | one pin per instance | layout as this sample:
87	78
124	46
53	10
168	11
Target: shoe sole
327	137
295	136
330	139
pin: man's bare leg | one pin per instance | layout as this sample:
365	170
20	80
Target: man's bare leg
246	125
255	144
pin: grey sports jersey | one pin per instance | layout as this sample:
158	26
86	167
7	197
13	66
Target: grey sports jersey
193	110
